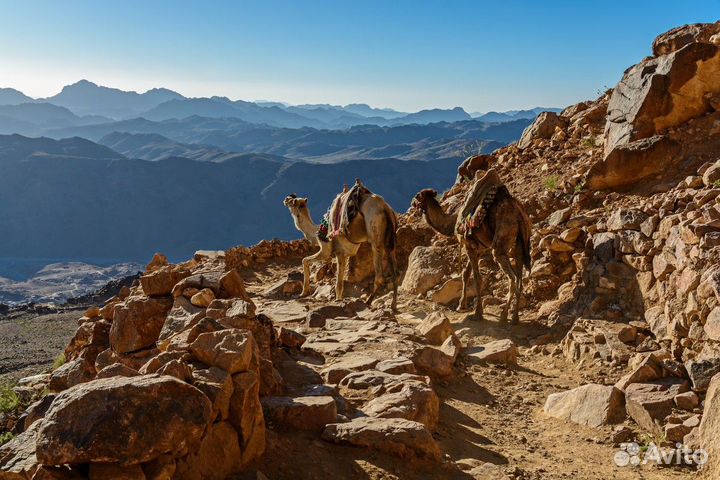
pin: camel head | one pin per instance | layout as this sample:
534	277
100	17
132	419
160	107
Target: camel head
295	204
421	199
471	165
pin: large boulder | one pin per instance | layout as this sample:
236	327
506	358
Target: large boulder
709	428
426	269
232	350
125	420
302	413
543	127
677	38
412	400
393	435
162	280
591	405
649	403
137	322
17	457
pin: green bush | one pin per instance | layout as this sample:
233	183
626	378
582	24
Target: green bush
5	437
9	400
552	183
59	361
716	184
589	142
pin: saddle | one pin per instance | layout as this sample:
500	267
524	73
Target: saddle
342	211
479	199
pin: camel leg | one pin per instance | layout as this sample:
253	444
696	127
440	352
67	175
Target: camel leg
518	292
340	280
393	271
473	259
467	271
306	262
504	261
378	263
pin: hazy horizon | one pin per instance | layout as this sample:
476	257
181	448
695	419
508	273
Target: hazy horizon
401	55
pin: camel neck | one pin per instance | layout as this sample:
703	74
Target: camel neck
438	219
305	224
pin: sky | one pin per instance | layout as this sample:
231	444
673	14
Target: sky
408	55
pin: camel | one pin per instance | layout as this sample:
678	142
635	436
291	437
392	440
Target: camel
467	169
375	223
505	231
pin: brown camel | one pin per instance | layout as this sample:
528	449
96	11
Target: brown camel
467	169
505	231
375	223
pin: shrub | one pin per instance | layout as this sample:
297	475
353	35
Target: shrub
580	187
5	437
716	183
59	361
552	183
9	400
589	142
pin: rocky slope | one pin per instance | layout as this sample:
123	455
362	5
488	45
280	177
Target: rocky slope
618	340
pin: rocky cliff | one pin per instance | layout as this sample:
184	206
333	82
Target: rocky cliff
213	368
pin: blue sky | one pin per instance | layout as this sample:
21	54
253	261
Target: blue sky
481	55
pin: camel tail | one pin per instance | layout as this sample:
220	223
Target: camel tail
524	241
391	232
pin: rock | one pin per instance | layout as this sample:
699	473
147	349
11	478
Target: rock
426	269
203	298
232	349
36	411
303	413
676	432
72	373
290	338
709	428
348	364
286	287
217	458
246	415
232	286
626	219
435	328
223	284
450	291
647	370
411	400
161	281
94	333
103	471
217	385
712	325
590	339
181	317
17	457
499	351
701	372
117	370
177	369
679	37
649	403
687	400
137	323
396	366
401	437
711	177
543	127
592	405
438	361
89	422
559	216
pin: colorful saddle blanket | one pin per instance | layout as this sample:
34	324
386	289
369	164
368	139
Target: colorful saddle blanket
479	199
342	211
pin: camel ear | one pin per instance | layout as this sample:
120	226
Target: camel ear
434	192
302	201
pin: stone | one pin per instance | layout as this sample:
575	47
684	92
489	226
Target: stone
711	177
709	428
676	432
203	298
232	286
592	405
18	460
559	216
303	413
161	281
679	37
217	458
438	361
232	350
396	366
177	369
117	370
649	403
400	437
626	219
712	324
426	269
137	323
646	370
687	400
89	422
701	371
217	385
182	316
290	338
499	351
450	291
95	333
435	328
348	364
543	127
246	415
72	373
411	400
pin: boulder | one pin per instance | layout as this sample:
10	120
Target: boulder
162	280
450	291
679	37
592	405
438	361
17	457
687	401
626	219
127	420
72	373
711	177
499	351
543	127
117	370
246	415
649	403
233	350
218	458
709	428
396	366
411	400
137	322
712	324
203	298
426	269
303	413
401	437
103	471
217	385
182	316
348	364
435	328
290	338
701	371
